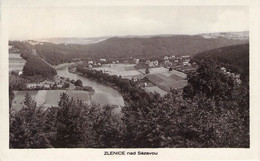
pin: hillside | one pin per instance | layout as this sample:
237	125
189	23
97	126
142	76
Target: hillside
159	46
234	58
124	48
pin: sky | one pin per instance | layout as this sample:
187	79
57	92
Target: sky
35	22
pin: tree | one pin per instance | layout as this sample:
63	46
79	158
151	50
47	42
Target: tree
28	102
66	85
27	127
11	96
209	80
147	71
79	83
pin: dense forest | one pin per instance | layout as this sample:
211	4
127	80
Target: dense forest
124	48
235	58
36	66
211	117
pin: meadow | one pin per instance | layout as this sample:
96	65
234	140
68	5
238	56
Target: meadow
48	98
16	62
125	70
166	80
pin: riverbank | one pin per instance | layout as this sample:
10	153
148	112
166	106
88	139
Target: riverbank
104	94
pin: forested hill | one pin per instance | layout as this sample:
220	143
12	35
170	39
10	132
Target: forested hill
152	47
159	46
234	58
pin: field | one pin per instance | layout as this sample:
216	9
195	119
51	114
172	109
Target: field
16	62
165	79
125	70
48	98
19	98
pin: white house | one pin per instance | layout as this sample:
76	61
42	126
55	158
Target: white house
166	58
155	63
20	72
103	60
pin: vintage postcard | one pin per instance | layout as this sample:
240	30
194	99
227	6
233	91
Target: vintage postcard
122	80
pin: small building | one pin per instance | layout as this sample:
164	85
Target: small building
186	64
32	85
48	86
90	62
151	64
167	64
59	85
155	63
136	61
103	60
20	72
185	56
166	58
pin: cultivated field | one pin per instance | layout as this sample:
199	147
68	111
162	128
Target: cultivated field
16	62
125	70
18	101
165	79
48	98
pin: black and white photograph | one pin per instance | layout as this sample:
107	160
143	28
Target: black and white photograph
129	77
119	77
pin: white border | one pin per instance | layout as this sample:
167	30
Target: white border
253	153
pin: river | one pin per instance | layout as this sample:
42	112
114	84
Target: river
103	94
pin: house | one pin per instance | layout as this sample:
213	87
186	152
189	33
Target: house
134	79
136	61
151	64
185	57
167	64
103	60
90	62
59	85
155	63
47	84
117	61
166	58
223	69
20	72
186	64
32	85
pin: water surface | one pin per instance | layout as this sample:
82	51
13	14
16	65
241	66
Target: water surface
103	94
